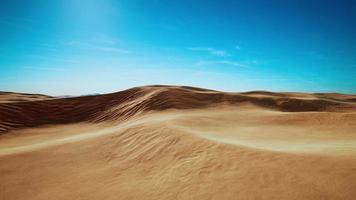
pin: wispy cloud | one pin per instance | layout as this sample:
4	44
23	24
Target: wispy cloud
41	57
106	40
253	62
222	62
101	47
210	50
44	68
111	49
237	47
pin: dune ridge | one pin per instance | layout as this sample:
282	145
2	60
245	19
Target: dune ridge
10	97
136	101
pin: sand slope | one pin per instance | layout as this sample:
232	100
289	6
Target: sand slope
170	142
10	97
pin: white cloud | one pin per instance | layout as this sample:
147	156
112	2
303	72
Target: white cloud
111	49
253	62
44	68
222	62
105	48
41	57
210	50
106	40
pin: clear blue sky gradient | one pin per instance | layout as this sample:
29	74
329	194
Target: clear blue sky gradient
78	47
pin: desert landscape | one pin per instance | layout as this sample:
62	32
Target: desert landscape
178	142
178	99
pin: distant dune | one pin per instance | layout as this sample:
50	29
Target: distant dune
24	110
10	97
178	142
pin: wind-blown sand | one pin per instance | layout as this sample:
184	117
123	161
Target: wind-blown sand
168	142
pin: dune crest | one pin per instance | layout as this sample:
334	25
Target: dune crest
136	101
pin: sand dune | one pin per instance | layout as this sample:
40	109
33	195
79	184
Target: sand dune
10	97
171	142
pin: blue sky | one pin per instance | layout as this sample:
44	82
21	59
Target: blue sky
78	47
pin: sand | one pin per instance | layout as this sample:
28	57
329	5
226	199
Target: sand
170	142
10	97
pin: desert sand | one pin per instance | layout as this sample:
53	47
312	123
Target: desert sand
176	142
